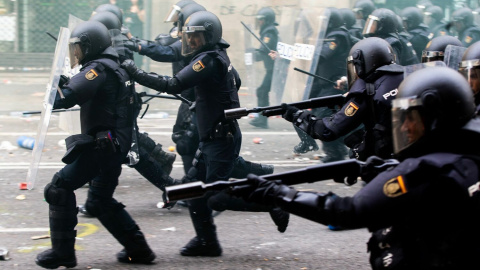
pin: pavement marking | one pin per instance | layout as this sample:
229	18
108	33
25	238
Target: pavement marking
14	230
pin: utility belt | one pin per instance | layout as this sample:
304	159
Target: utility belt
76	144
224	130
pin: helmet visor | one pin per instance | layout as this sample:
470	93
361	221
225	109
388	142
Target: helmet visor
259	21
430	56
173	14
351	72
471	71
193	39
75	52
371	25
407	123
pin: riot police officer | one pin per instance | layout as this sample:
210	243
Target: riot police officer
216	84
434	18
470	68
154	163
373	80
419	33
95	155
382	23
435	50
362	9
468	32
420	212
331	65
348	17
265	21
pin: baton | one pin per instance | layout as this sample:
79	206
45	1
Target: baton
313	75
53	111
52	36
261	41
175	96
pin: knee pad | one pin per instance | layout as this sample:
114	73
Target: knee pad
56	195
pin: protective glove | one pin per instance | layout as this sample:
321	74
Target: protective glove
259	190
130	67
371	168
132	44
289	112
63	80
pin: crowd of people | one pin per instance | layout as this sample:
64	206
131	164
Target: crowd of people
411	84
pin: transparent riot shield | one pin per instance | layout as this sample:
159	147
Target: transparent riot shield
407	70
254	70
61	52
453	56
302	35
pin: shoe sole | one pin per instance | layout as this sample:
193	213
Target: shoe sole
187	254
57	265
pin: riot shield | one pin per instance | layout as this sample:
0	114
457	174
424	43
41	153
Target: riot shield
61	52
407	70
453	56
254	70
302	34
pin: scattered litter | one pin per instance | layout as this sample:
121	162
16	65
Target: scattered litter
22	186
171	229
160	205
26	142
268	244
246	153
257	140
6	145
37	237
20	197
4	254
253	115
171	148
61	143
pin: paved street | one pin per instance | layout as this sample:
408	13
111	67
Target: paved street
249	240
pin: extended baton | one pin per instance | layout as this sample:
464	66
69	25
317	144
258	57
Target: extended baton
261	41
313	75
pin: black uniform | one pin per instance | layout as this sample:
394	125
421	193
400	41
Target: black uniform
105	93
331	66
269	35
403	49
419	37
372	109
470	35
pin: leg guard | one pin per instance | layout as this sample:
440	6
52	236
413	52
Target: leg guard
164	159
307	143
152	170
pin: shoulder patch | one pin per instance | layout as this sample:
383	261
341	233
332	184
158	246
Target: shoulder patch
394	187
198	66
351	109
332	45
468	39
91	74
266	39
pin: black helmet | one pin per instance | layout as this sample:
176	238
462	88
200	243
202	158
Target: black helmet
412	17
267	15
470	68
335	19
110	8
435	49
462	18
382	21
399	24
434	99
434	12
174	13
364	8
366	56
348	17
88	40
168	39
108	19
202	31
186	11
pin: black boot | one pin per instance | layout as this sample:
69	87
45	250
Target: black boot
136	249
307	143
165	159
62	252
260	122
242	168
200	247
